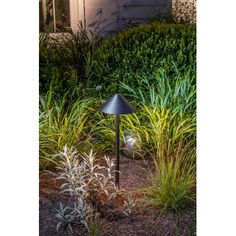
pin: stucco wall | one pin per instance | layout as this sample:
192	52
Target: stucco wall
104	16
107	16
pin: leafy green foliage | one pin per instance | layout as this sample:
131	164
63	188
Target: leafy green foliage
154	66
164	113
65	59
177	93
61	123
143	52
151	127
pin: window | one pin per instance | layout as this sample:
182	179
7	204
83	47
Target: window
54	15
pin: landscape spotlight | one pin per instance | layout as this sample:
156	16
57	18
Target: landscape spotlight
117	105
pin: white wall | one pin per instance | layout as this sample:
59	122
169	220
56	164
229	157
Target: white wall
107	16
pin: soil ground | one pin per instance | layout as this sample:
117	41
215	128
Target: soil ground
141	223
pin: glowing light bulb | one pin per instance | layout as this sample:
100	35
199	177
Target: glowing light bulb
130	142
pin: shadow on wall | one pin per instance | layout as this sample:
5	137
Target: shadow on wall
108	16
102	16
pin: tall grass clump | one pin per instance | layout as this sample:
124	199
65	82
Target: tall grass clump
158	127
64	59
173	183
166	112
63	123
176	92
151	127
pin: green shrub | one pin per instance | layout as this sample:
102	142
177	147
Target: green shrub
142	52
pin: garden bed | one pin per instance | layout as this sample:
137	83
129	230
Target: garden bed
134	176
154	67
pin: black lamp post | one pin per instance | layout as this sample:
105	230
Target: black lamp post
117	105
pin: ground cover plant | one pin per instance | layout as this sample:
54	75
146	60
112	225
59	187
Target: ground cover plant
152	65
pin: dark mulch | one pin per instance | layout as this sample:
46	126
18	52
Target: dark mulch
141	223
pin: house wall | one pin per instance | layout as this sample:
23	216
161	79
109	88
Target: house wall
102	16
109	16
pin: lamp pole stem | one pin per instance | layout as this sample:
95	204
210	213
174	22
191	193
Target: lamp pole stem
117	151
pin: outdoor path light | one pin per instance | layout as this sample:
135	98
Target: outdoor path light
117	105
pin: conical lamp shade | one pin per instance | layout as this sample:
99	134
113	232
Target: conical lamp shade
117	105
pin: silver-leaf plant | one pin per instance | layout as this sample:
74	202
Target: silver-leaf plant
92	189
